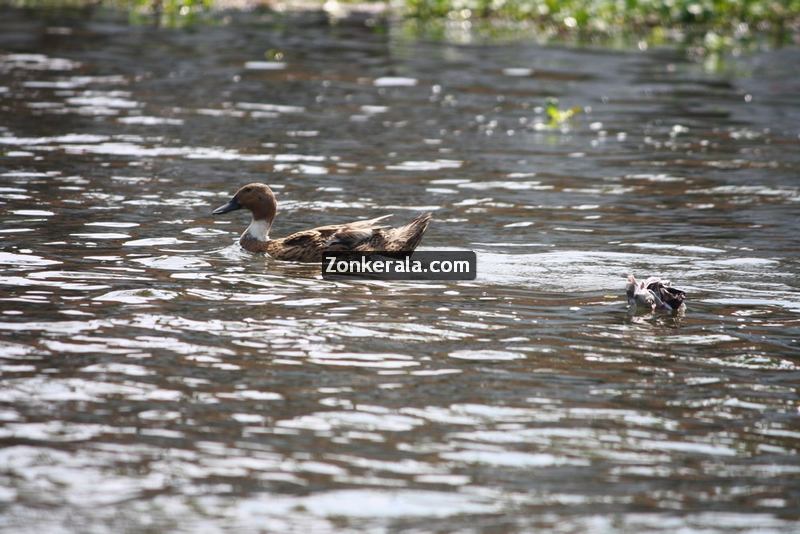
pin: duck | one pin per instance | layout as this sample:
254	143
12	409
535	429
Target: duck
654	294
310	245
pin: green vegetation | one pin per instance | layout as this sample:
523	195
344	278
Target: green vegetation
716	24
709	26
606	15
172	12
169	13
557	116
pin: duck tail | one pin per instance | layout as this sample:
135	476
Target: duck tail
410	235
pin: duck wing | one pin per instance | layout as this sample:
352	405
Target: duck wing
304	246
669	295
308	245
361	237
368	223
358	236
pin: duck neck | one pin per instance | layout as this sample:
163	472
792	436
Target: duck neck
256	237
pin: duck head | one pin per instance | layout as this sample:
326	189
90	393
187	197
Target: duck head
260	201
257	198
630	288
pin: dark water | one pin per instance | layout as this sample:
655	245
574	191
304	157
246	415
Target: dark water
155	377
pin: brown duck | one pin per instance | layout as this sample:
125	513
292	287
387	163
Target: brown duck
309	245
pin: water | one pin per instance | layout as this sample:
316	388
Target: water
155	377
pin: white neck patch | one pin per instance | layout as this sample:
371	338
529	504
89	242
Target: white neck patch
258	230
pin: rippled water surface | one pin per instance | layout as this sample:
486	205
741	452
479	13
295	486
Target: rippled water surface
156	377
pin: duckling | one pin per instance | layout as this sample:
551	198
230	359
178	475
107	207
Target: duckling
309	245
654	294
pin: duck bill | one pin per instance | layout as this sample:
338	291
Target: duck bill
233	205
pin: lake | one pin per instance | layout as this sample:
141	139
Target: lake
155	377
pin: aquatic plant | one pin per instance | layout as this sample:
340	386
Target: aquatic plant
557	116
